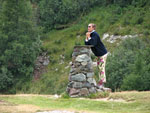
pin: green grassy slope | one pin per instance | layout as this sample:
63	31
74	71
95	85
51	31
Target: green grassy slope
58	43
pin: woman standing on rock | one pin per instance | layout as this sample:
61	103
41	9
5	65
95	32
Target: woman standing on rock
92	38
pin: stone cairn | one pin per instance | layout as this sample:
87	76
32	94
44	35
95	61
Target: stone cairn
81	81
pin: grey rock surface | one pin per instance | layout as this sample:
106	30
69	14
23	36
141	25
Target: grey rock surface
84	91
82	58
114	38
78	77
90	75
77	85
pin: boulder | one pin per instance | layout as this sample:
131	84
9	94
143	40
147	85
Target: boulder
90	74
78	77
82	58
74	91
77	85
84	91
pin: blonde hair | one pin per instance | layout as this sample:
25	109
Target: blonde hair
93	25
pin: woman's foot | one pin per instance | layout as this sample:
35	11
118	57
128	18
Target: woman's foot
100	84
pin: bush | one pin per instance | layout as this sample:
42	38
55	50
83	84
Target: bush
56	14
137	20
131	82
65	95
146	32
6	79
126	21
129	63
139	78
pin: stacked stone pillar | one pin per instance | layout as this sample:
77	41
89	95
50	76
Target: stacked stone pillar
81	80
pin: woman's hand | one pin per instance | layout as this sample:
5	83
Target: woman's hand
88	35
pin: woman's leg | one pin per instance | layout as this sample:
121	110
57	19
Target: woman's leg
101	62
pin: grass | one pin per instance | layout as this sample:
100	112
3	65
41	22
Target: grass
134	102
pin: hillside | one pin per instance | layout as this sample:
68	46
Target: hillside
59	43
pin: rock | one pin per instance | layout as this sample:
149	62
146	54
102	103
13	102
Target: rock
75	53
94	64
74	96
70	84
113	38
40	65
56	69
73	59
84	63
78	77
99	90
77	64
92	90
81	81
67	67
70	63
74	91
87	85
106	35
57	96
90	74
77	85
78	36
85	69
77	70
85	50
72	70
92	81
89	66
82	58
46	62
84	92
107	89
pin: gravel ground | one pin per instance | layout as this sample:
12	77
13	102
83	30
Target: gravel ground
56	111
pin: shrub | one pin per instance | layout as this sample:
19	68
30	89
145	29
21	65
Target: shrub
65	95
6	79
131	82
139	78
126	21
52	12
146	32
122	62
137	20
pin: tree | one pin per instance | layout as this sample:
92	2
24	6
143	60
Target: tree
55	14
20	43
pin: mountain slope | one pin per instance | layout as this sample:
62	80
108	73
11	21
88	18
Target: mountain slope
59	43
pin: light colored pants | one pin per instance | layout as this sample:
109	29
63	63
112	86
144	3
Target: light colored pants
101	62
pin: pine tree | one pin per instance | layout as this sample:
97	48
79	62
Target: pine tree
19	40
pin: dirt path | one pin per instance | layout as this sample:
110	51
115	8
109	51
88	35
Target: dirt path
6	107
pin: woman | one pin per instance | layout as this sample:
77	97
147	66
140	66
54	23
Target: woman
92	38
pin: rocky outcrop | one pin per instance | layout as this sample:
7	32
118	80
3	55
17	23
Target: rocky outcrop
114	38
40	65
81	80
